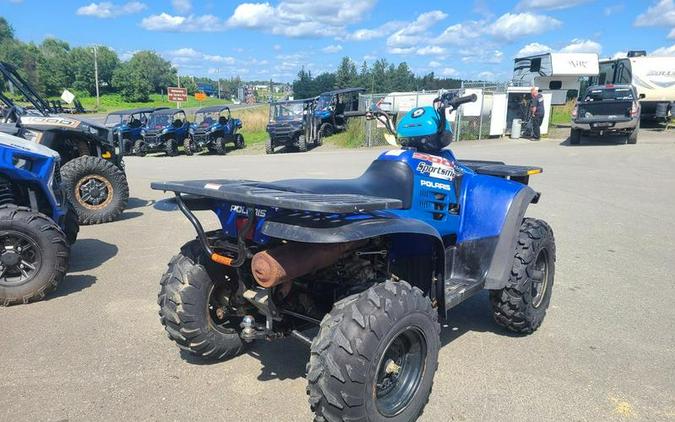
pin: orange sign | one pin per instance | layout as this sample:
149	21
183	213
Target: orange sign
200	96
177	94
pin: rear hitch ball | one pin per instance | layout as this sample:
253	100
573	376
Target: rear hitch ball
248	332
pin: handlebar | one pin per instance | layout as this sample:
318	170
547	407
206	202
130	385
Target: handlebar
458	101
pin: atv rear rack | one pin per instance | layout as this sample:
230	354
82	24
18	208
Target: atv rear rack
247	192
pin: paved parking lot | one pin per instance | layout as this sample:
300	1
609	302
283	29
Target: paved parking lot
95	350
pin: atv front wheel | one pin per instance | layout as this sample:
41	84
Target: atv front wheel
194	305
302	143
375	356
71	225
219	146
96	188
139	148
325	131
189	146
239	141
33	255
521	305
171	147
128	146
269	147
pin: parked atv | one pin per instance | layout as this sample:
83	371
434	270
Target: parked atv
127	125
212	129
334	108
373	262
292	124
165	130
36	224
93	171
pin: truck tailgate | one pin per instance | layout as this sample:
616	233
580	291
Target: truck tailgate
608	109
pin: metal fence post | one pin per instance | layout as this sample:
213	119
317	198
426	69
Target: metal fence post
480	122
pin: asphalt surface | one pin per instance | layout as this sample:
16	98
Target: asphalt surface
95	350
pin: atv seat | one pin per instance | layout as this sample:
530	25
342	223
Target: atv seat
383	179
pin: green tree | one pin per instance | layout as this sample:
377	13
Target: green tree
82	68
303	87
159	72
55	71
6	30
189	83
131	82
345	75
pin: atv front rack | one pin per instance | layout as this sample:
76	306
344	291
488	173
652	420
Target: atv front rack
247	192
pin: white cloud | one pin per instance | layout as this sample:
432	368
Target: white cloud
613	9
184	56
379	32
671	36
548	4
661	13
449	72
582	46
486	76
664	51
413	34
182	6
108	9
532	49
461	33
332	49
169	23
430	50
480	55
301	18
512	26
277	47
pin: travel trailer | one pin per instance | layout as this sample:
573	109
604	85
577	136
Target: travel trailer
652	76
560	74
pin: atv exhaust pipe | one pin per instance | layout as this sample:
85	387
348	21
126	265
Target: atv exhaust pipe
292	260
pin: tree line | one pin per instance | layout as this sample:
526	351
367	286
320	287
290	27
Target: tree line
381	77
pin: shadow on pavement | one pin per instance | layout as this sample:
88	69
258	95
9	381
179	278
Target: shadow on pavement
128	215
139	203
87	254
73	283
586	141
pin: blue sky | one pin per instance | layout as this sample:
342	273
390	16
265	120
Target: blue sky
262	40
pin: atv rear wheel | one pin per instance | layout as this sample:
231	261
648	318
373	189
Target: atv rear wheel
139	148
575	136
269	146
128	146
239	141
193	305
171	147
189	146
302	143
219	146
71	225
33	255
325	131
375	356
521	305
96	188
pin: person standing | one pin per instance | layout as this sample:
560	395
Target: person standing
537	111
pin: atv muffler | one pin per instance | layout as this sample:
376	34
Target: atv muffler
292	260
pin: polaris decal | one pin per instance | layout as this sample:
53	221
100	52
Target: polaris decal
434	166
242	210
51	121
435	185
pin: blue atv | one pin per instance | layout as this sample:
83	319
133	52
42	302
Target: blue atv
368	264
128	124
165	130
334	108
212	129
37	225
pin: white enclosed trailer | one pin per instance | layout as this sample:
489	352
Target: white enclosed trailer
555	73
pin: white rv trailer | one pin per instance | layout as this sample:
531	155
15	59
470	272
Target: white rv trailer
652	76
557	73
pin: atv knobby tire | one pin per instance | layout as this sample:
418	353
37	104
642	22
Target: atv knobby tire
171	147
188	146
219	146
112	187
521	305
269	146
128	146
302	143
184	305
348	355
239	142
71	225
50	261
139	148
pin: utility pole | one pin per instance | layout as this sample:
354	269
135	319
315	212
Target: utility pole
218	75
178	77
98	101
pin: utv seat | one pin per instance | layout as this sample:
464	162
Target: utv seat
383	179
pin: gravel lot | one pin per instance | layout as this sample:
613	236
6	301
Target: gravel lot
95	350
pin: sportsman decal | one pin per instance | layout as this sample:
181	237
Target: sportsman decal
434	166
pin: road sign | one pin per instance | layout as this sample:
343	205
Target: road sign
177	94
200	96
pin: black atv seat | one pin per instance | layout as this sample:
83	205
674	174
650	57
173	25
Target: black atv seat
382	179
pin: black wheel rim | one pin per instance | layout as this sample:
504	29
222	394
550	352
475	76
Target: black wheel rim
400	371
539	277
20	258
220	314
94	191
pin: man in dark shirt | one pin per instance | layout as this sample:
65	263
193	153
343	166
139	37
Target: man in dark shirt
537	110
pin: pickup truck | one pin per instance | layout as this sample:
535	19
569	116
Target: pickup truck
606	110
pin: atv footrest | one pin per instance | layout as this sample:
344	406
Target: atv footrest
458	291
255	193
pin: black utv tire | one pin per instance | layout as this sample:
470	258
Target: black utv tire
128	146
184	300
171	147
269	146
188	146
575	137
139	148
110	181
239	141
219	146
48	253
633	136
521	305
325	131
356	346
302	143
71	225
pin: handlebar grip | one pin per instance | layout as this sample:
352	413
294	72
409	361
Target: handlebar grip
456	102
